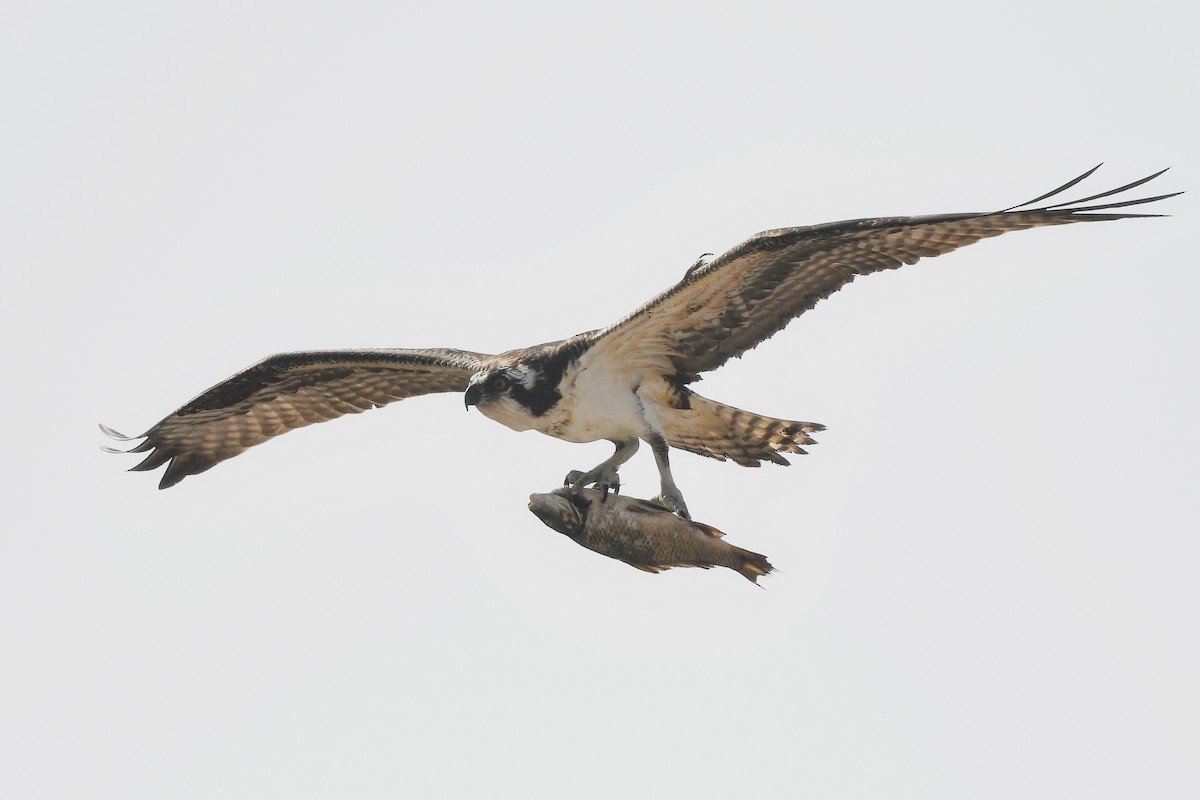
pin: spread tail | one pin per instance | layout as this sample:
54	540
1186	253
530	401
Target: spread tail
723	432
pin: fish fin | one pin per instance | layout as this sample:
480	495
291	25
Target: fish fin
638	506
710	530
656	568
753	565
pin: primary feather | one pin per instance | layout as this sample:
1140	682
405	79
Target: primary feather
288	391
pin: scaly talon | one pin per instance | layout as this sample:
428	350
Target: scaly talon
604	478
604	475
673	501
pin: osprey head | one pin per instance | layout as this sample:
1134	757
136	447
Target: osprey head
488	387
512	395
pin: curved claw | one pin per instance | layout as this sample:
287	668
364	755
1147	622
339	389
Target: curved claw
673	501
605	479
609	483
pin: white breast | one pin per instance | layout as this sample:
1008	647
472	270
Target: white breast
599	402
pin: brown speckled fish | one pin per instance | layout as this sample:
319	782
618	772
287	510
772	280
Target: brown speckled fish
642	534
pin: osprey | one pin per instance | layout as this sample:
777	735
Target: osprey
626	383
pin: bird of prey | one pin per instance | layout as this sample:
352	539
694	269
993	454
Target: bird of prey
625	383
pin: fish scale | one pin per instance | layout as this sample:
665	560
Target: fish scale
642	534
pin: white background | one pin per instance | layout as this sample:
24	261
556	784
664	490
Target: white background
988	565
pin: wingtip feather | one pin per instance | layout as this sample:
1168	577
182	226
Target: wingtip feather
1059	190
115	434
1077	206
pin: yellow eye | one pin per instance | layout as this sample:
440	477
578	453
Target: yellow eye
499	383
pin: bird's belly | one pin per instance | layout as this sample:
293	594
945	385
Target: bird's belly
594	407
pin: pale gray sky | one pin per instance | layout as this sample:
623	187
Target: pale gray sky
988	565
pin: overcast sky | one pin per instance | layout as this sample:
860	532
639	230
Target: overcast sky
988	565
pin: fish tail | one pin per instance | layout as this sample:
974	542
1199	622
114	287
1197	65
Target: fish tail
752	566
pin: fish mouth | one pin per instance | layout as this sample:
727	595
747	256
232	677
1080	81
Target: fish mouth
556	512
541	506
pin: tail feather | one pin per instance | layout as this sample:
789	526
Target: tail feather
725	433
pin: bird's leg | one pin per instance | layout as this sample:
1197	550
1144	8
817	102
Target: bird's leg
604	475
670	496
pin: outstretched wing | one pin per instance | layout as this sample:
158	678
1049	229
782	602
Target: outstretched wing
726	306
288	391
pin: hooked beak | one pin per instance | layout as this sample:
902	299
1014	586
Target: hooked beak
473	396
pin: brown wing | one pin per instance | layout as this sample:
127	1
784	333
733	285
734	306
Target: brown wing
726	306
288	391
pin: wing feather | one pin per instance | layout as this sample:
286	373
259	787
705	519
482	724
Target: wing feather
726	306
288	391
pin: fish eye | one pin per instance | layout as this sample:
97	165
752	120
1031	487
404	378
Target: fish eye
498	383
